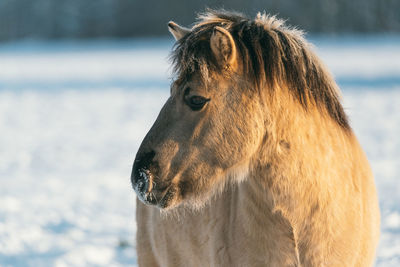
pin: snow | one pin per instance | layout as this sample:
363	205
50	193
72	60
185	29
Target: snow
72	116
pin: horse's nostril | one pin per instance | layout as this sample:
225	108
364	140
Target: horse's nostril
143	180
144	160
141	172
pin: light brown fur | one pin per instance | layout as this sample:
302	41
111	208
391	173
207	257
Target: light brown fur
272	176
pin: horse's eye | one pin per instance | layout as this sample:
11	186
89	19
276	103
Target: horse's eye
196	102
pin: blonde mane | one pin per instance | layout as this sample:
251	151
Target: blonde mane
271	54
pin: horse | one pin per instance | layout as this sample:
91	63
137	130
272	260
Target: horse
252	161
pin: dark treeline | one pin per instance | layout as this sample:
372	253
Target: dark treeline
53	19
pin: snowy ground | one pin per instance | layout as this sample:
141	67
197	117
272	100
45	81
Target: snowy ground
73	114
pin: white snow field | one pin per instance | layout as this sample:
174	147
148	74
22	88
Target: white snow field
72	116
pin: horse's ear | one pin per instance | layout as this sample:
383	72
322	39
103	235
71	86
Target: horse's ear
224	48
177	31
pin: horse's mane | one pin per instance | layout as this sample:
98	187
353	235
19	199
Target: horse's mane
271	52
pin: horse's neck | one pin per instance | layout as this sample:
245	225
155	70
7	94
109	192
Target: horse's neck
301	163
260	225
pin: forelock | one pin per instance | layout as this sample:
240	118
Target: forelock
270	52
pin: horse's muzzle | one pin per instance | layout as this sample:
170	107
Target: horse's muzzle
142	177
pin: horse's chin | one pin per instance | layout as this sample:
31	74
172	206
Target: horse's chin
170	198
164	200
173	196
194	200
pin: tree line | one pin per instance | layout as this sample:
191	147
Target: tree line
82	19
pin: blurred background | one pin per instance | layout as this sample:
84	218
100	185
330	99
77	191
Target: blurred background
81	82
83	19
